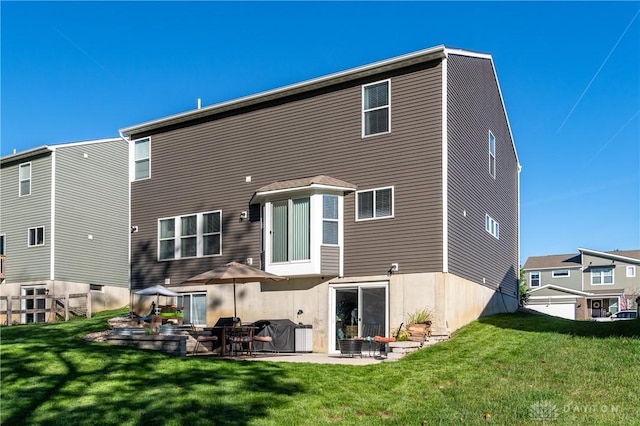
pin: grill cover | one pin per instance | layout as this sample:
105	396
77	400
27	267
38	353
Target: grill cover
282	331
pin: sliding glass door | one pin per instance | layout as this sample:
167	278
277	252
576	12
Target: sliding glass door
358	310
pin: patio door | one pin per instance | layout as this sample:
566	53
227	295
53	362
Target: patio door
358	309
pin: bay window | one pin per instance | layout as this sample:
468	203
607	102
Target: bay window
291	229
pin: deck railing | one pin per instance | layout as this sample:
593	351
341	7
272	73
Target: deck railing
13	311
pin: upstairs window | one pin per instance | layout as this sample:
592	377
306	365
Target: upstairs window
142	160
534	279
492	155
560	273
492	226
24	179
376	108
374	204
195	235
601	276
330	219
35	236
291	222
631	271
3	244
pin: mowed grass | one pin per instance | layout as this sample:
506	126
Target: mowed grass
517	369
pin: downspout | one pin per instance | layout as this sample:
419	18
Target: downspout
52	231
518	236
445	164
129	210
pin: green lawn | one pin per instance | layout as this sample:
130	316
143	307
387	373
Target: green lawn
508	369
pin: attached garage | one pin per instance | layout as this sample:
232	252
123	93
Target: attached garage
562	310
557	301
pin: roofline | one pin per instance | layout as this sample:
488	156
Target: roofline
25	154
610	255
425	55
50	148
544	268
559	288
315	187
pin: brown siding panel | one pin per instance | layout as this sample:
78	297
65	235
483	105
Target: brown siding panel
330	260
474	108
202	167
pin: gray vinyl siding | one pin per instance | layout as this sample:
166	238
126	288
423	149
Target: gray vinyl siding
18	214
573	281
92	194
202	167
621	282
474	108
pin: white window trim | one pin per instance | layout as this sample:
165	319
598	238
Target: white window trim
559	273
20	194
531	279
601	273
374	190
177	238
492	226
388	107
29	236
492	155
136	160
631	271
337	221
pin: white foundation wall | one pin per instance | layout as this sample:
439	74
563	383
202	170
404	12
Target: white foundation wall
454	301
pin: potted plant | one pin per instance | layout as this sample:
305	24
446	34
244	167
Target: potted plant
419	324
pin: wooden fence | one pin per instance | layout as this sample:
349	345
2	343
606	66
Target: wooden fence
54	307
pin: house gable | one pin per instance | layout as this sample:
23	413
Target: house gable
19	214
475	114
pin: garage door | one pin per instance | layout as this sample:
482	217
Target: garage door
562	310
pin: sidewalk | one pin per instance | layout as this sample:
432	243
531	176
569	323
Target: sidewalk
312	358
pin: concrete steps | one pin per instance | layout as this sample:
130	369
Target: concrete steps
397	350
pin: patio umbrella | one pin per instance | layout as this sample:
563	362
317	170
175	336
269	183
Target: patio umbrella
232	273
156	290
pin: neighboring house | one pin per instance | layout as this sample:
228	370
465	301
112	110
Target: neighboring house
64	225
377	191
589	284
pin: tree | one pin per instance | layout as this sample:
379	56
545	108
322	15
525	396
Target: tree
524	288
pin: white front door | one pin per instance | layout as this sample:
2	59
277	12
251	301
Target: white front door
357	309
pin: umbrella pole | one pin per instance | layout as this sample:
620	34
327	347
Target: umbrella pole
235	315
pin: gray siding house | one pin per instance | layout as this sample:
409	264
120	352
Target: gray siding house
64	223
589	284
377	191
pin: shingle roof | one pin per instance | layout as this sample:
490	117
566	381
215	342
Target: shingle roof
573	260
553	261
307	181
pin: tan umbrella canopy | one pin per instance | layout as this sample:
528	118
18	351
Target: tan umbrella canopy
233	272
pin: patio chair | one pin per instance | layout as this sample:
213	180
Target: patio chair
240	339
201	338
369	332
384	341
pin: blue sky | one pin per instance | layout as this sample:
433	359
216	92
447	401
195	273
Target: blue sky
569	73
